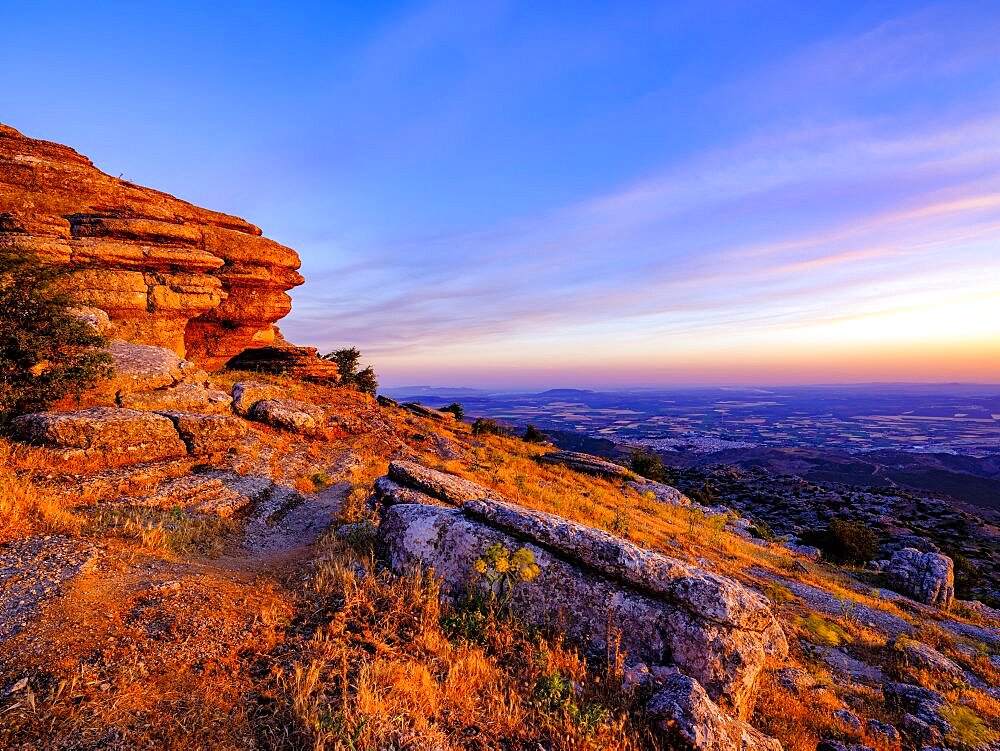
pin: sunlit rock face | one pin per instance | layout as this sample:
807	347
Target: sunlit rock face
203	284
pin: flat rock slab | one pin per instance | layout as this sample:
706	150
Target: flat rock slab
422	411
120	436
34	570
195	494
208	434
441	485
186	397
587	464
291	415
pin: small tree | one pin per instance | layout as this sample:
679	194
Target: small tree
347	361
46	353
488	426
648	464
533	435
456	409
844	541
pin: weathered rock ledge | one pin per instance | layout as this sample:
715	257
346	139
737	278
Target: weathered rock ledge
601	590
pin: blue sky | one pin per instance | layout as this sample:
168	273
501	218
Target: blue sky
522	194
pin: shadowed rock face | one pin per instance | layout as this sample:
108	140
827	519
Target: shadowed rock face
203	284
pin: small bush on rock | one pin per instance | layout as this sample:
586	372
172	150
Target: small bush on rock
46	353
533	435
844	541
456	409
486	426
347	361
648	464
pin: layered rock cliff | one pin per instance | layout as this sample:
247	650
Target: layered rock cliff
168	273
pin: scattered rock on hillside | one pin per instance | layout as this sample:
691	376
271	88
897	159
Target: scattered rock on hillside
246	394
34	569
291	415
587	464
923	709
683	711
926	577
208	434
120	436
187	397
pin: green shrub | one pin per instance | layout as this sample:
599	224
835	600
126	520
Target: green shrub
648	464
844	541
533	435
487	426
456	409
347	361
46	353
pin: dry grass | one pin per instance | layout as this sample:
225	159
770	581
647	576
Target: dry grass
25	508
380	672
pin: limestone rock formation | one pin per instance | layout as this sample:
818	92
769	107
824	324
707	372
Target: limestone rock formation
203	284
663	610
926	577
118	436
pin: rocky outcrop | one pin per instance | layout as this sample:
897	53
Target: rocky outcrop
587	464
592	584
118	436
686	715
203	284
926	577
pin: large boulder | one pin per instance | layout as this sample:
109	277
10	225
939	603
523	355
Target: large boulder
117	436
926	577
686	715
203	284
248	393
205	435
291	415
658	610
